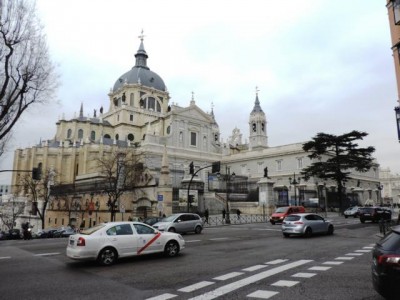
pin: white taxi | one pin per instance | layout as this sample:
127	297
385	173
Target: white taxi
109	241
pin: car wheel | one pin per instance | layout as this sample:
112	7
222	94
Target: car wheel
330	230
272	222
198	230
345	216
286	235
107	256
362	220
171	249
308	232
172	229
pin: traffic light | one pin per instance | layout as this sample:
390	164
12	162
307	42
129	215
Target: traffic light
36	174
191	198
191	168
216	166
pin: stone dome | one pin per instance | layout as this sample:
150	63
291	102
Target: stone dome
141	73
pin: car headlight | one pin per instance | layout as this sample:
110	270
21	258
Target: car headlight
180	237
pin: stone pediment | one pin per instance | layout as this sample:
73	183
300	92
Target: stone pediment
194	113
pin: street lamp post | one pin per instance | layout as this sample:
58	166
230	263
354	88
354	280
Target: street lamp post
227	177
380	188
294	182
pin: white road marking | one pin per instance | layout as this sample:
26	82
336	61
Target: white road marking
5	257
344	258
332	263
354	254
317	268
163	297
219	239
254	268
192	241
262	294
249	280
228	276
304	275
363	251
369	247
196	286
286	283
275	262
47	254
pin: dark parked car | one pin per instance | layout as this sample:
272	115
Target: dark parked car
46	233
374	214
386	265
13	234
67	232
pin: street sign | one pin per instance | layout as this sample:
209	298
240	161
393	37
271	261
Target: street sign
160	197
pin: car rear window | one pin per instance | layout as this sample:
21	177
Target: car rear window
390	242
367	210
92	229
292	218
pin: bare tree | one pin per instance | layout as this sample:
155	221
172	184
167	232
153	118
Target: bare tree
27	75
10	211
122	170
39	190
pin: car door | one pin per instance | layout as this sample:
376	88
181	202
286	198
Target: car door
315	222
122	238
181	224
149	240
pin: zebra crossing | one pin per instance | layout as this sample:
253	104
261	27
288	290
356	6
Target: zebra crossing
253	274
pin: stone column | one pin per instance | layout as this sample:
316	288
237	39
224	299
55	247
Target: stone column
266	196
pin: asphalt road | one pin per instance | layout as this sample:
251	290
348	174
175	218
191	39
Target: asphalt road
248	261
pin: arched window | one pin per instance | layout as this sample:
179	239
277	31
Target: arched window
80	134
151	105
69	133
117	136
131	137
107	136
93	135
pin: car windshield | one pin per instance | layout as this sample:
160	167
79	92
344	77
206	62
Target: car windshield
281	209
366	209
93	229
169	219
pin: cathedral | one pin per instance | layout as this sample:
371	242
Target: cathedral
141	117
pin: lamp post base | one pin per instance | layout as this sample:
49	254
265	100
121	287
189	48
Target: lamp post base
227	219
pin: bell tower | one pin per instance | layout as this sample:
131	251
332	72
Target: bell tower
258	126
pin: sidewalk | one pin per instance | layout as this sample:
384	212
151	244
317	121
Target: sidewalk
334	217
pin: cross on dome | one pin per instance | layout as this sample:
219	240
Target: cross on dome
141	36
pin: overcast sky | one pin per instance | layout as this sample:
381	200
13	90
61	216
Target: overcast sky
319	65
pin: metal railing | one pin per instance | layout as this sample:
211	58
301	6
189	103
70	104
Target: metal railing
235	219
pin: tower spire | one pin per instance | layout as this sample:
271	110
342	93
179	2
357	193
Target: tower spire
141	55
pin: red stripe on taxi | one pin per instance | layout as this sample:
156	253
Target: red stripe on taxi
149	243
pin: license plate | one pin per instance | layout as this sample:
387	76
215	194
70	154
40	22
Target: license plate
71	242
366	214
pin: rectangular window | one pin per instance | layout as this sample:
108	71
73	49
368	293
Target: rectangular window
55	221
396	11
193	139
279	165
299	163
131	117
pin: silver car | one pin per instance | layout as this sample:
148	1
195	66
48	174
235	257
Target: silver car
306	224
181	223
